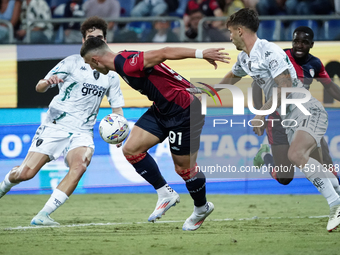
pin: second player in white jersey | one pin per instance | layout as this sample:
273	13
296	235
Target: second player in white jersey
77	104
68	128
263	60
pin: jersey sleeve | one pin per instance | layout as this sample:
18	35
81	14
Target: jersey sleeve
275	61
323	76
63	68
237	68
114	93
133	65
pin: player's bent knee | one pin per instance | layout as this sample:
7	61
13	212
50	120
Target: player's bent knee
80	168
188	173
88	155
77	172
133	159
24	173
130	150
296	157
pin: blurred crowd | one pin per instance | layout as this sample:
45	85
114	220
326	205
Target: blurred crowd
20	14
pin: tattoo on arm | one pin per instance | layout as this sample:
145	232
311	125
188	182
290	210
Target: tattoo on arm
282	80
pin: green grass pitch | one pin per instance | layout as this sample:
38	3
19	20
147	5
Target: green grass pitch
117	224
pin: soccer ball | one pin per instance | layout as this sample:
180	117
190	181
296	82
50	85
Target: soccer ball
113	128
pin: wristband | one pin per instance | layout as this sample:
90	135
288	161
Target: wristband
198	53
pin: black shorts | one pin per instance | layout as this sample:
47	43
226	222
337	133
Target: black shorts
183	129
276	133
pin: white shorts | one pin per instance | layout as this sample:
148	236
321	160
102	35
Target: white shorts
315	124
55	142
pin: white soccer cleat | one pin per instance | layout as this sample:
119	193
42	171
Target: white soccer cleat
43	219
196	220
164	204
334	218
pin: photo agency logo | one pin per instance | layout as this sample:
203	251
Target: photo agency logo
239	107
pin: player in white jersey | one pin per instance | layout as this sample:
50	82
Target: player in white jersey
68	127
308	68
270	67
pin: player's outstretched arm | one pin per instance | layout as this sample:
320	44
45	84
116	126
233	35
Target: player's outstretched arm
155	57
43	85
230	78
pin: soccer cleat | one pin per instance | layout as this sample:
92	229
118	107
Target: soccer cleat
334	218
164	204
43	219
196	220
258	161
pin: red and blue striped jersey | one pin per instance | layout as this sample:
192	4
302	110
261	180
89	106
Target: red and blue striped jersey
162	85
310	69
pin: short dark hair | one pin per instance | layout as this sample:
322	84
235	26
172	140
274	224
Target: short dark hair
92	44
245	17
93	23
306	30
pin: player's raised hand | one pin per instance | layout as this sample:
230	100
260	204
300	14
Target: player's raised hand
216	54
54	79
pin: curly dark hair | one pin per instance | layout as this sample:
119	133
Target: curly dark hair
93	23
245	17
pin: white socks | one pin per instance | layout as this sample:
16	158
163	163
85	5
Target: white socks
200	209
334	181
57	199
6	185
322	181
164	191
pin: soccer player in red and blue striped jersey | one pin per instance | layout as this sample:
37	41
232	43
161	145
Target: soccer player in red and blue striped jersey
175	113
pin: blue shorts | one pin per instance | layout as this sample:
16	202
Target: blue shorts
183	129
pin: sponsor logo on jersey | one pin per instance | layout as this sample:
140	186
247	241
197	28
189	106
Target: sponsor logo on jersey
92	89
83	68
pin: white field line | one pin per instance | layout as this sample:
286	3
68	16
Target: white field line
158	222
